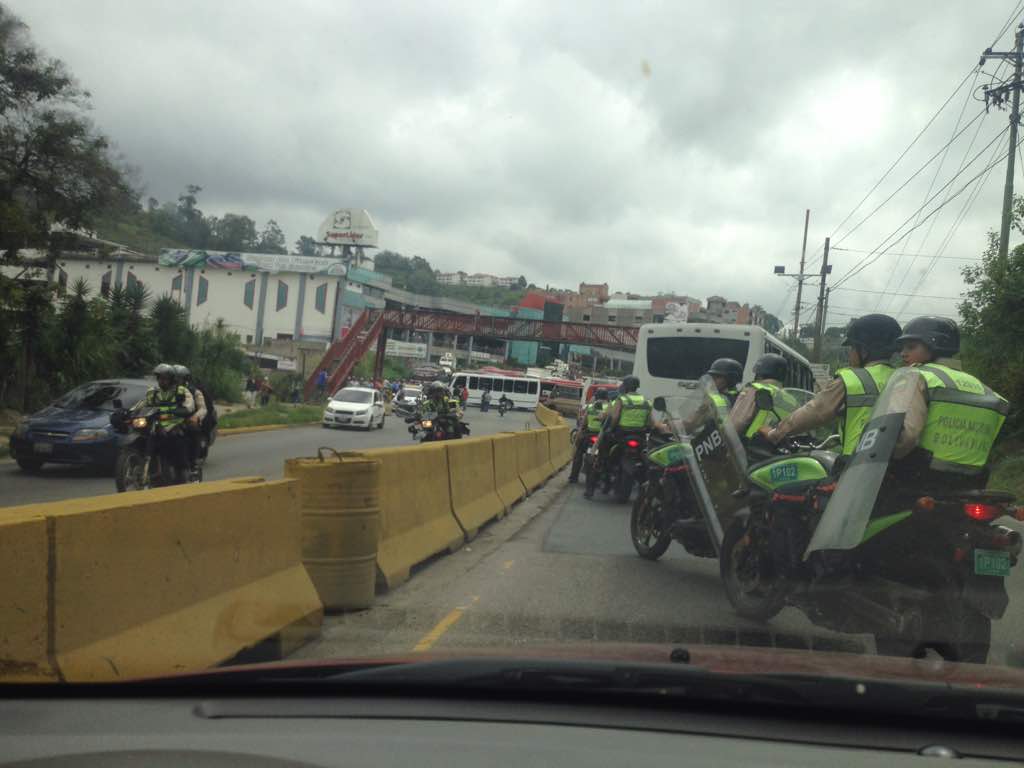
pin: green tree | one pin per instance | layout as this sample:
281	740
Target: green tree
233	232
992	315
172	337
521	283
306	246
271	239
127	323
219	361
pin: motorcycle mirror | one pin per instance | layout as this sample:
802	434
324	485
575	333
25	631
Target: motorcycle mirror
764	400
660	404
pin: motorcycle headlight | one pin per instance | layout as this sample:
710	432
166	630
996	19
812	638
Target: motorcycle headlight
139	422
428	424
90	435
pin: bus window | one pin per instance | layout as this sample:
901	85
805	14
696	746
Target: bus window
473	381
460	381
485	383
521	386
532	389
689	357
510	385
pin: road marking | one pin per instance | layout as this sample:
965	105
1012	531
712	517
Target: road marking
428	640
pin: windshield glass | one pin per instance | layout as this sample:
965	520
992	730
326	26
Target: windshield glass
100	396
353	396
739	221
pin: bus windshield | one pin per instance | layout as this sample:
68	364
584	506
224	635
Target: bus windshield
689	357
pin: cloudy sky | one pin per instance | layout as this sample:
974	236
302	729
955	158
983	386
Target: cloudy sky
658	146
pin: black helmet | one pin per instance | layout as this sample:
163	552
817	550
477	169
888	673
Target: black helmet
601	394
874	335
731	369
630	384
939	334
770	366
436	388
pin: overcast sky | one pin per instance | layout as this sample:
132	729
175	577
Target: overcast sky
656	146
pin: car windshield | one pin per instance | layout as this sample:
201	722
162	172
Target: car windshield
767	218
100	396
353	396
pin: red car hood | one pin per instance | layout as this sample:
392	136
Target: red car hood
713	658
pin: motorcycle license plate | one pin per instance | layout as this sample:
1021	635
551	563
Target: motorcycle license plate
989	562
592	451
43	447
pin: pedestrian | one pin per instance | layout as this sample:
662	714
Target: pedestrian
321	383
265	392
250	391
295	391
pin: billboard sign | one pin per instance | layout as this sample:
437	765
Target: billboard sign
250	262
405	349
348	226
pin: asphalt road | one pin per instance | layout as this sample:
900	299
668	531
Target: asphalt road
257	453
560	569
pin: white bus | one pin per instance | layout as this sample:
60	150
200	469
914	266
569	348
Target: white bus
523	391
671	357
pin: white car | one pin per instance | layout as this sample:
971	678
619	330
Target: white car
410	396
355	407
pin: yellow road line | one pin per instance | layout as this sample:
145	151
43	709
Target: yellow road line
428	640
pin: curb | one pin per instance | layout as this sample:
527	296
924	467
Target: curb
261	428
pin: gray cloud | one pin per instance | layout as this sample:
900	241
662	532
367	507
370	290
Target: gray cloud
658	146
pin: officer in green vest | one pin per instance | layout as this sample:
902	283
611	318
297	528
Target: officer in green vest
769	374
727	374
175	404
589	424
850	396
952	420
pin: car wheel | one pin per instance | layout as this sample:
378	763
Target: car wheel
29	465
381	425
325	426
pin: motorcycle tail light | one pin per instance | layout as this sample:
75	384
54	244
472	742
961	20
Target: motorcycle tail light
926	503
983	512
593	439
633	443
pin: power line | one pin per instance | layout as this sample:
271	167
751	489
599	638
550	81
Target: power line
914	295
903	154
920	255
868	261
1013	15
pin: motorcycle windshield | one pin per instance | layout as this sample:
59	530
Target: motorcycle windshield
846	517
801	396
717	463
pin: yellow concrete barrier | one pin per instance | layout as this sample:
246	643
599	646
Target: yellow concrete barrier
173	579
542	449
507	484
558	446
25	652
416	509
475	497
339	497
547	416
531	471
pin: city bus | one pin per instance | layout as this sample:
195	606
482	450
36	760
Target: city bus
671	357
523	391
562	395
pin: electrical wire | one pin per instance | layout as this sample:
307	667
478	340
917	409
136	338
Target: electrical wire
919	255
914	295
1013	15
868	260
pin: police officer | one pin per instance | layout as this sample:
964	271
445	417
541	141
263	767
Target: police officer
175	404
952	419
441	406
631	412
727	374
590	422
850	396
769	375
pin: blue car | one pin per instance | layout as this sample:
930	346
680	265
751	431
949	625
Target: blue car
75	429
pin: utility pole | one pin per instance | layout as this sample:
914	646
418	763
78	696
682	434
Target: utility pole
800	278
997	96
818	329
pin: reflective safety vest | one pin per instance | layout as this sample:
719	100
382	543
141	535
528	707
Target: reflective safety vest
166	401
964	419
784	404
634	413
594	413
863	386
724	399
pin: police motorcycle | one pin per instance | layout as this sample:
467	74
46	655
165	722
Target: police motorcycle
139	465
666	508
916	569
622	468
431	427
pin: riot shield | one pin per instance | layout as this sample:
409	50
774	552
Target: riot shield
802	396
846	517
717	463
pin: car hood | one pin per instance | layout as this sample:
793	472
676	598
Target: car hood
727	660
65	419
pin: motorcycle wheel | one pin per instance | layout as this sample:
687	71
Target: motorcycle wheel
590	472
955	632
755	592
128	471
646	527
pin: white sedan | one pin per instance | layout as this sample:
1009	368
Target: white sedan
410	396
355	407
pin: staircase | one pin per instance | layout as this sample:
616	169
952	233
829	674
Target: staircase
341	357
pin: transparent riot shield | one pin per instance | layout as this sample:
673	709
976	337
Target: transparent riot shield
717	463
801	396
846	517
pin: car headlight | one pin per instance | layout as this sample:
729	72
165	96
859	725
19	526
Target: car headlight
90	435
